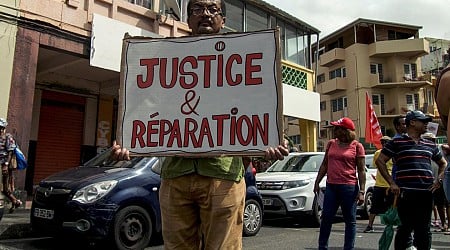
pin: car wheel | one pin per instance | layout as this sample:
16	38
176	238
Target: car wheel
367	205
132	228
317	212
252	218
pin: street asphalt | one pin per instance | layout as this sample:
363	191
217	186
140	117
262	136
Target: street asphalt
16	225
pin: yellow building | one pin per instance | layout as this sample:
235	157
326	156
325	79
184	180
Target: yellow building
377	57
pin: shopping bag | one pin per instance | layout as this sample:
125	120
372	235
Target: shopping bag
390	219
21	161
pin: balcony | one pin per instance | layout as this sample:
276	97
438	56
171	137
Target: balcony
405	47
332	86
332	57
387	83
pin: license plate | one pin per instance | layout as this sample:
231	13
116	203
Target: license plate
44	213
267	202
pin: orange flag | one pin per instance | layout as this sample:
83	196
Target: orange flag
373	130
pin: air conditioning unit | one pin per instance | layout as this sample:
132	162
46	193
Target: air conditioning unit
410	106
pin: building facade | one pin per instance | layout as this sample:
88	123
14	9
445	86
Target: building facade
438	58
60	79
380	58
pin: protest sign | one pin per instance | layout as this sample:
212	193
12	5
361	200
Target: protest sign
203	96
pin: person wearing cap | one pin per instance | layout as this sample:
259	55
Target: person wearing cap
381	200
7	146
344	166
415	183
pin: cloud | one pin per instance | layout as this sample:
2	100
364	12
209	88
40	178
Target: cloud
330	15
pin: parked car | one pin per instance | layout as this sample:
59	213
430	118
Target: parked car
287	186
371	174
116	201
253	211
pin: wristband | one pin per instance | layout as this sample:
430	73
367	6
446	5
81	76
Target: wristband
6	163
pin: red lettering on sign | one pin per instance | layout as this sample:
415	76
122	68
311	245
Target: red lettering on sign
207	69
163	72
229	77
250	69
194	65
137	133
150	64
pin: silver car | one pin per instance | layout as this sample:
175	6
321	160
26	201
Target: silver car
287	186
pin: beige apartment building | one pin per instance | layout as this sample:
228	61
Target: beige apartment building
59	81
377	57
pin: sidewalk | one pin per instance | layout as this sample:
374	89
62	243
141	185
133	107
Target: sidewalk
17	224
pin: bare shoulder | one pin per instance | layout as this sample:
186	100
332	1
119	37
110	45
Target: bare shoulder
443	94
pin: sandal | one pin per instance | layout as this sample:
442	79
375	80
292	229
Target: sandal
15	205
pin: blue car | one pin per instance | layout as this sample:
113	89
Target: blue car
116	201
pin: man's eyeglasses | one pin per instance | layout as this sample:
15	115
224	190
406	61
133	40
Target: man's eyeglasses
210	10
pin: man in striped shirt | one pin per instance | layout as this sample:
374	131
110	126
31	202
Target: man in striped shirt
414	182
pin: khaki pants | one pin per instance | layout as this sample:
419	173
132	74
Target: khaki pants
200	212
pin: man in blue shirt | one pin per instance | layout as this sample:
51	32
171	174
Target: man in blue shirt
414	183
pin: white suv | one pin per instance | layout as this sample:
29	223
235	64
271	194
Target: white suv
287	186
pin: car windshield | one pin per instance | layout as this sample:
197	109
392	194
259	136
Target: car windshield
298	163
105	160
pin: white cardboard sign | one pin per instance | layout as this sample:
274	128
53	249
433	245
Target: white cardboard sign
205	95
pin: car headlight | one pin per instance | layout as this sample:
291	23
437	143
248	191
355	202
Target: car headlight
295	184
94	191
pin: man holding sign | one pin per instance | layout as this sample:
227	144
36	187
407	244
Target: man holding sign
202	199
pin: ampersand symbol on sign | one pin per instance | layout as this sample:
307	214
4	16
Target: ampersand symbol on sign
186	108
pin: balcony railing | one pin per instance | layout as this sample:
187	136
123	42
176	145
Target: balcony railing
331	57
296	75
332	86
405	47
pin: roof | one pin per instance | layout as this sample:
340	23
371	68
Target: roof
369	21
285	16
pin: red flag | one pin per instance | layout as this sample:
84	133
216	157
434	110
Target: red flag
373	130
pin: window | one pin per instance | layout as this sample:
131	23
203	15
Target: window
291	44
302	49
340	72
430	96
377	68
144	3
256	19
378	100
410	70
321	78
412	101
323	133
235	16
295	139
323	106
339	104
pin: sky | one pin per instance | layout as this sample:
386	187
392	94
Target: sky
331	15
